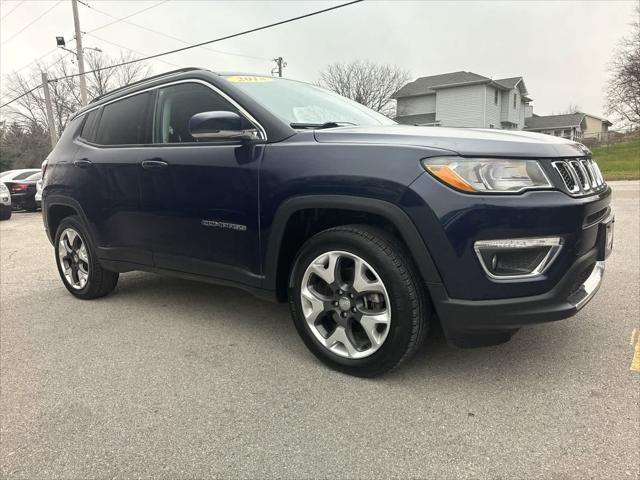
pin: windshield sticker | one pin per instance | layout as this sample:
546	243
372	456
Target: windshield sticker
249	79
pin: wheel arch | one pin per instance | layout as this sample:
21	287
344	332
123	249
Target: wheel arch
279	256
57	208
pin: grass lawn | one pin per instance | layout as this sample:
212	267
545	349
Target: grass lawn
619	161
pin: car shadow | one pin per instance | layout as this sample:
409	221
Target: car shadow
227	307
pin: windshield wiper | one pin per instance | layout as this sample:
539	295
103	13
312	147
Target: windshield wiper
319	126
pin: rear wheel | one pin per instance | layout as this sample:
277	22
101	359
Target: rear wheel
357	301
77	264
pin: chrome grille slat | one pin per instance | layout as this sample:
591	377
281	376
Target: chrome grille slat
597	171
587	168
580	177
581	174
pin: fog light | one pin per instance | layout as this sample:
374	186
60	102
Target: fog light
515	258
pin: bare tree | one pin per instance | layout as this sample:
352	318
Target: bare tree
623	89
65	93
368	83
572	108
24	139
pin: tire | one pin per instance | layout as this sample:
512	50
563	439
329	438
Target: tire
90	279
5	213
398	292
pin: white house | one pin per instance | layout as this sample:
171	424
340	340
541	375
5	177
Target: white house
464	99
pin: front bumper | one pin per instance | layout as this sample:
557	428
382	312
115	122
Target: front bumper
476	310
473	323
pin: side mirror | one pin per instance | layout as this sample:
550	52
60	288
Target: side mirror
220	125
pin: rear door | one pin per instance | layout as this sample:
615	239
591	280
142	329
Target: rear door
107	171
201	197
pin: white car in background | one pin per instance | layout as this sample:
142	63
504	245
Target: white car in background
21	174
38	196
5	202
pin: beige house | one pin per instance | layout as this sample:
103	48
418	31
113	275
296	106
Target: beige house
574	126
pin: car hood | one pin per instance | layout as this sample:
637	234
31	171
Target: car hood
463	141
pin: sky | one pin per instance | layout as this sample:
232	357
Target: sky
561	49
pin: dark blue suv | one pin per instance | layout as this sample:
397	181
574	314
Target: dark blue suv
372	231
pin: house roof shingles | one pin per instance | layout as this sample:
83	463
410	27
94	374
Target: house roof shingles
553	121
428	85
509	82
422	86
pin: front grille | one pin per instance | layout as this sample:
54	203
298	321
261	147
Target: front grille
580	176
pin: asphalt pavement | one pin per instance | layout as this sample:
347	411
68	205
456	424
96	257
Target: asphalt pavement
168	378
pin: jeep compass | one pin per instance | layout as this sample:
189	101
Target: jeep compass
370	230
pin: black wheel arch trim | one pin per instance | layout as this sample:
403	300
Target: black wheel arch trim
61	200
390	212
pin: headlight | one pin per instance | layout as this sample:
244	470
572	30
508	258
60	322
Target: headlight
487	175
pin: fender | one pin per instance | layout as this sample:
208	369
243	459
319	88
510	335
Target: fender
54	200
390	212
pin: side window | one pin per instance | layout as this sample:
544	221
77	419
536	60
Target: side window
177	104
515	99
495	96
89	128
124	122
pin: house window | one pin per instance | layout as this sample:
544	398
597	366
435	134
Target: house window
495	96
515	98
491	125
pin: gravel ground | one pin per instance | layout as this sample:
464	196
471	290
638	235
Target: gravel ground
168	378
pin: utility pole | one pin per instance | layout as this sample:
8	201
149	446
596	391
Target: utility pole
79	53
280	64
50	120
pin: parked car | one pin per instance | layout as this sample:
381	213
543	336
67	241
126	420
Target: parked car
368	229
23	192
38	196
5	202
20	174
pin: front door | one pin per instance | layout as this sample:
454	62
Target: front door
200	197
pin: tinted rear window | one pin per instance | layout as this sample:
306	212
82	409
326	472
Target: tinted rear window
34	176
89	127
24	175
125	122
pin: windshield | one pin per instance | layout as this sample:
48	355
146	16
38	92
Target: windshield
303	105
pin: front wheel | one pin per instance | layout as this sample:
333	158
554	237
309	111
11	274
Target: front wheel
77	263
357	300
5	213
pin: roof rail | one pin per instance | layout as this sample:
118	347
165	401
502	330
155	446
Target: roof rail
144	80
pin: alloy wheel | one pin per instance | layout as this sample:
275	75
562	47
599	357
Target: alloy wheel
74	261
345	304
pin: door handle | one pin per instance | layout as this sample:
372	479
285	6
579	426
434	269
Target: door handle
154	163
83	163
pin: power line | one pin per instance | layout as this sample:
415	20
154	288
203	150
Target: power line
123	18
172	37
34	61
219	39
12	10
32	21
23	95
234	35
95	29
127	48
